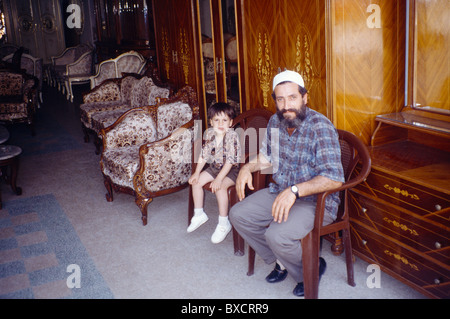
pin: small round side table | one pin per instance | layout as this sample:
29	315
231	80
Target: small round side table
9	157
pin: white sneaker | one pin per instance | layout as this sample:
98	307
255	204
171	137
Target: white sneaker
220	233
197	221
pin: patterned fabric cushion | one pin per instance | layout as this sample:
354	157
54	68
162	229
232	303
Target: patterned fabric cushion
108	92
88	109
141	92
136	128
129	64
172	116
13	111
101	120
11	84
120	164
107	70
126	88
156	92
168	162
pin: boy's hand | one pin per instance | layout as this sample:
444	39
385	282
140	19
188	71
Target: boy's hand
216	184
193	179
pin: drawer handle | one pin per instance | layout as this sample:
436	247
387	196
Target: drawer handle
364	210
364	242
438	207
437	245
437	281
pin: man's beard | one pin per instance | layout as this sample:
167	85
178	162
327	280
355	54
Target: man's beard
292	123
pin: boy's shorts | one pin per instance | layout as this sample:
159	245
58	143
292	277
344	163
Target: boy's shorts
232	174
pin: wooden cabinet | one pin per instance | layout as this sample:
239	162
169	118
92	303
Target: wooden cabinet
400	215
179	45
36	25
124	25
274	35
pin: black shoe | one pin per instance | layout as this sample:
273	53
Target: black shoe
299	290
277	275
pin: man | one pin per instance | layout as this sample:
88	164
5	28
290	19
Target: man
302	147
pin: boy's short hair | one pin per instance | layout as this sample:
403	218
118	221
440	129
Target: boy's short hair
221	107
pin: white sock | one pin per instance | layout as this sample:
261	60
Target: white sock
281	265
198	211
223	220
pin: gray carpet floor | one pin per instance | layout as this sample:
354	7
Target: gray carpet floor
161	260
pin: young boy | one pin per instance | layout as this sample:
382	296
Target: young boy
222	152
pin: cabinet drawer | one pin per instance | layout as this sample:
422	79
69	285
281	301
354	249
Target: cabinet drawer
411	268
426	202
429	238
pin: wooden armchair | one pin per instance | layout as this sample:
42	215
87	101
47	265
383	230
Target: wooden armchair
147	152
353	151
248	125
18	97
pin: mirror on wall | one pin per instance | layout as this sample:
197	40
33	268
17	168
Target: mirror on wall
430	55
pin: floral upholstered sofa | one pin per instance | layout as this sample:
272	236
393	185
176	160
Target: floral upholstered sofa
147	152
103	105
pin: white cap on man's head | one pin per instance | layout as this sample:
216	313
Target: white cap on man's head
288	76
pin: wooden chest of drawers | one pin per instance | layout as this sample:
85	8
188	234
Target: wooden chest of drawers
400	216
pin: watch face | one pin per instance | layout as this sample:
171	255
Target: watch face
294	189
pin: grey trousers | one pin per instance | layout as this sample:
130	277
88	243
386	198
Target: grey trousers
252	219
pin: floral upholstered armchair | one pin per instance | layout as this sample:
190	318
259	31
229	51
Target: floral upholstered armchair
32	66
18	97
103	105
147	152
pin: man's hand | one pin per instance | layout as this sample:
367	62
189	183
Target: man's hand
282	205
244	178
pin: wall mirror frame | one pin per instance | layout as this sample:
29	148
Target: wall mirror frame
428	56
219	52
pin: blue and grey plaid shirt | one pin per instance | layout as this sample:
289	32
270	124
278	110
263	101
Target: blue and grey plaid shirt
313	149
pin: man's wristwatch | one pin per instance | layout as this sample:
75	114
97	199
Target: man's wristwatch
294	189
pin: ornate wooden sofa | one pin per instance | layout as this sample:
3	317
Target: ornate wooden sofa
147	152
103	105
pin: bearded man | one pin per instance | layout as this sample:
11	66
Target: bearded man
302	147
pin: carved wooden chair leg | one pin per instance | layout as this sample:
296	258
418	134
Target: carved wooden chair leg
109	194
142	203
98	144
85	133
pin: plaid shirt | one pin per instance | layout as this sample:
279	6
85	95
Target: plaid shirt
312	150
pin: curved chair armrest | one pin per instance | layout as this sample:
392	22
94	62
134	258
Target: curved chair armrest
81	66
102	92
362	156
121	133
168	159
62	59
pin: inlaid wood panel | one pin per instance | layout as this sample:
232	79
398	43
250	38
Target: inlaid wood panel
281	34
367	62
178	45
